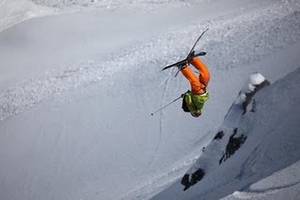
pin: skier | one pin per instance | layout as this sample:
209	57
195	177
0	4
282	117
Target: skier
193	101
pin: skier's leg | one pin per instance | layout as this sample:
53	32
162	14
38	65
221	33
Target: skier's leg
204	76
193	79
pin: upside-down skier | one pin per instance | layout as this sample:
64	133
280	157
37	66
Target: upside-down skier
194	100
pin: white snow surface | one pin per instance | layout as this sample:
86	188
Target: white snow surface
15	11
254	79
111	4
77	87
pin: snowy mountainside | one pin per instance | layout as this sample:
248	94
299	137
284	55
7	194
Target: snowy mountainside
248	147
76	91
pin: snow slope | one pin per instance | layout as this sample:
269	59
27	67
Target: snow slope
13	12
76	91
283	184
268	142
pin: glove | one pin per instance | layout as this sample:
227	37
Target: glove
182	95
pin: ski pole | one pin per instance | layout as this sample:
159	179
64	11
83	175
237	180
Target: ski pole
163	107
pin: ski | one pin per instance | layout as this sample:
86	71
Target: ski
184	61
192	49
190	55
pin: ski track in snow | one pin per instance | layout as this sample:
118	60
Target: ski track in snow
161	115
221	42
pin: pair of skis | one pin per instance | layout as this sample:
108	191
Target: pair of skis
180	64
190	55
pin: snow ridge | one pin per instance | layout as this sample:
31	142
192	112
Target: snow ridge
13	12
257	144
107	4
